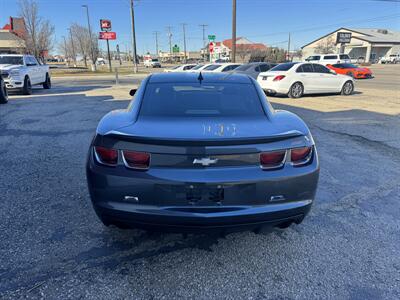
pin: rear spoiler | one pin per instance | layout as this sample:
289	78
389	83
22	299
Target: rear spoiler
112	136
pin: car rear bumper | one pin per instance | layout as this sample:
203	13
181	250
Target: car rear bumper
198	218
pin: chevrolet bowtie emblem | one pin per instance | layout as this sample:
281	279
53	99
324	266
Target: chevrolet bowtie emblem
205	161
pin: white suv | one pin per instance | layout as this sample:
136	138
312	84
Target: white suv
326	59
391	59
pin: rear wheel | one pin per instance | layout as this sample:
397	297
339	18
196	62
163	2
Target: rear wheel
3	93
296	90
348	88
27	89
47	83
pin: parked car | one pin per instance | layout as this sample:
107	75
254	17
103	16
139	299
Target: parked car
3	89
297	79
181	68
152	63
199	67
329	59
225	67
391	59
254	68
351	70
198	153
223	59
24	71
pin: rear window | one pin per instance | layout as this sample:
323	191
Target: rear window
283	67
243	67
163	100
314	57
197	67
211	67
330	57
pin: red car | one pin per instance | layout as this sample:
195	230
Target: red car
351	70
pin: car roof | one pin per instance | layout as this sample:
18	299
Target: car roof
193	77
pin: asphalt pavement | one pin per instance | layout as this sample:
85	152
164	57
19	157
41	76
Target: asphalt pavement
53	246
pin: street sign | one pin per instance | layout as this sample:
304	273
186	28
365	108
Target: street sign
107	35
105	25
211	37
175	49
343	37
211	47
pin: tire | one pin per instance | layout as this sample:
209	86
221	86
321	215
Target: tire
27	89
47	83
296	90
348	88
3	93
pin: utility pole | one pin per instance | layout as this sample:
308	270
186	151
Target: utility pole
65	50
288	48
73	47
233	58
156	34
170	41
204	38
90	38
135	67
184	40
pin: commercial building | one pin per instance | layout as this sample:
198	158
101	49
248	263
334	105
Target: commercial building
244	47
369	44
12	36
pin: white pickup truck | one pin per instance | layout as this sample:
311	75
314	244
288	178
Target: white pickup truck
21	72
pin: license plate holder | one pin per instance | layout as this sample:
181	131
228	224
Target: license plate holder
196	193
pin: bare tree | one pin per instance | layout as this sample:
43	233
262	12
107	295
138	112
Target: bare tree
80	35
326	46
39	33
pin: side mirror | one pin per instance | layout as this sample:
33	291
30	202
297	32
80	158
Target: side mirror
132	92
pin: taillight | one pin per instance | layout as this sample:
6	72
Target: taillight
279	77
301	156
136	160
106	156
273	159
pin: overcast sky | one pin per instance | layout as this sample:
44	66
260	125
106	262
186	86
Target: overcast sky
266	21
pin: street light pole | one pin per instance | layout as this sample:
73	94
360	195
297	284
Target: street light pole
184	41
90	37
135	67
156	34
233	58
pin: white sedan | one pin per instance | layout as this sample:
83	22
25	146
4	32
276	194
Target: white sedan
297	79
181	68
223	67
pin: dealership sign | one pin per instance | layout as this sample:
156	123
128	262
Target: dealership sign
343	37
105	25
104	35
211	47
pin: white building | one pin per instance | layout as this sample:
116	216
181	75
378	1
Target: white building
368	43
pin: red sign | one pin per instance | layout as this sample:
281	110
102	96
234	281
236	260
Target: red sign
105	25
104	35
211	47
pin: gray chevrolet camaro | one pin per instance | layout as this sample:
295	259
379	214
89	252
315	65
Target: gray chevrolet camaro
196	152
